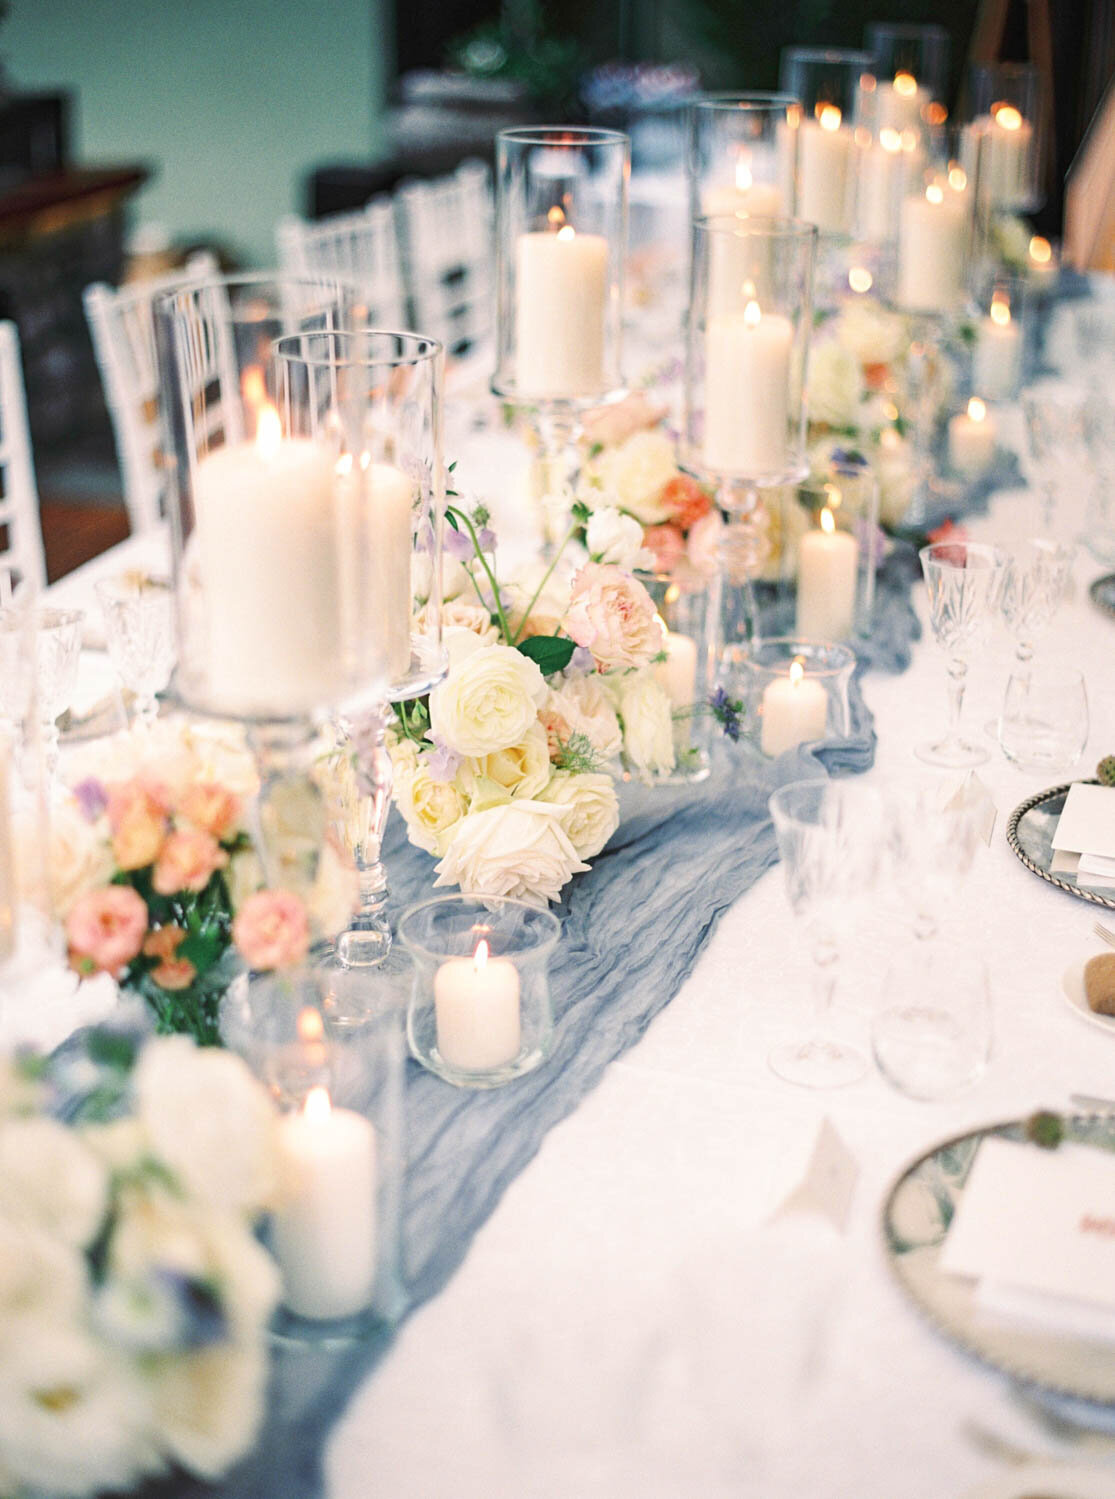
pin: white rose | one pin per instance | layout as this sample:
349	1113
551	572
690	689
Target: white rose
488	702
584	706
871	332
590	809
460	644
49	1177
210	1122
39	1275
648	725
636	473
835	384
79	858
520	849
209	1405
461	614
430	808
521	769
612	536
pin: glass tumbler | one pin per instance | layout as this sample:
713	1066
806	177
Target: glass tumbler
1044	722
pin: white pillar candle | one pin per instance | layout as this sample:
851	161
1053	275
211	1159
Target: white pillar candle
678	673
998	358
794	710
561	281
1000	146
744	195
738	262
479	1019
325	1225
880	179
825	171
932	246
901	105
7	862
1041	265
384	598
972	436
828	561
747	392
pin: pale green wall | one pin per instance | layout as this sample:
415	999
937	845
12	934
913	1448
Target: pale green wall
231	101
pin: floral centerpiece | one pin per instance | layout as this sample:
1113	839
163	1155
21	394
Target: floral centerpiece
135	1297
158	884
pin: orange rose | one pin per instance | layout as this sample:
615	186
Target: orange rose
186	861
686	501
137	815
211	808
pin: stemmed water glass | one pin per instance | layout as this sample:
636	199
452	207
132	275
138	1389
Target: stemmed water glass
963	579
828	846
1055	454
139	630
58	649
1034	583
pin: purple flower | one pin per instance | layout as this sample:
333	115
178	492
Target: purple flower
727	713
458	545
91	797
581	660
444	763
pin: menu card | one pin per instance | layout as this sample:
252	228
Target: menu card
1039	1221
1087	821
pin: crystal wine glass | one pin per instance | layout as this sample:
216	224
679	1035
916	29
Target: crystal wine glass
1055	452
139	629
827	844
1034	584
963	579
58	642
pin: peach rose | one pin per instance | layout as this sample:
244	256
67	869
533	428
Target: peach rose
685	500
667	545
172	972
272	930
105	929
211	808
612	615
137	815
610	425
187	860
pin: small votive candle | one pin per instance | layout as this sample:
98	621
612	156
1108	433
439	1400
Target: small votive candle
325	1226
827	564
1041	262
972	439
479	1022
794	710
998	358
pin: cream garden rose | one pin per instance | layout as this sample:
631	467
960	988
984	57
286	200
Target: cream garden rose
648	726
431	808
488	702
636	473
521	769
590	809
519	849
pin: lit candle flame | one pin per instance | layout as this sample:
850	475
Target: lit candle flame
567	233
555	217
1007	116
958	178
797	669
252	387
1041	251
977	410
673	593
936	113
1000	311
828	521
860	278
317	1106
311	1027
269	432
480	956
829	116
890	140
905	84
910	140
752	314
934	193
744	179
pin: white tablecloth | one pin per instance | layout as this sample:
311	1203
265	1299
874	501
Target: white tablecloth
630	1321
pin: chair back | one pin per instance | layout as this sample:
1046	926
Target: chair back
21	535
446	230
360	247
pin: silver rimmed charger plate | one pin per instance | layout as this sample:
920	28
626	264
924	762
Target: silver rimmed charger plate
1102	593
1069	1374
1030	834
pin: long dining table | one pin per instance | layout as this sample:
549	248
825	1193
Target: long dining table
650	1309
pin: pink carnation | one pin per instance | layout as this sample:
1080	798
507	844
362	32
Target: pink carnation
105	929
272	930
611	614
668	546
186	861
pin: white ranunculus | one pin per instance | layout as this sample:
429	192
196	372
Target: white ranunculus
636	472
209	1121
79	855
430	808
590	809
871	332
612	536
521	769
93	1436
582	704
520	849
648	725
488	702
835	384
49	1177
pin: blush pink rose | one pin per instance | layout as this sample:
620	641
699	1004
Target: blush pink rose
137	815
703	546
667	545
211	808
186	861
105	929
272	930
611	614
685	500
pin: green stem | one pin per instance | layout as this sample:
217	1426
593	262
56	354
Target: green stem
460	514
569	535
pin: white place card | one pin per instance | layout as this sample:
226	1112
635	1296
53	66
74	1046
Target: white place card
1087	822
1039	1220
829	1182
973	799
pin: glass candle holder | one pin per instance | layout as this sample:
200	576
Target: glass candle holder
906	83
742	155
795	691
837	556
934	244
688	672
825	80
1002	137
334	1065
480	1012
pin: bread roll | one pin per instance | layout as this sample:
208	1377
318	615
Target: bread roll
1099	983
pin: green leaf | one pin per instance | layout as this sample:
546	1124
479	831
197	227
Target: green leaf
452	519
111	1049
550	653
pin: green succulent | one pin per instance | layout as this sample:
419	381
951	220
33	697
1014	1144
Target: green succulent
1105	770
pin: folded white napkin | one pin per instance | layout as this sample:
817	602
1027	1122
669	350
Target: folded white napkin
1087	821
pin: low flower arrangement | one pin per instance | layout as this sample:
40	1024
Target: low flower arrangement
506	772
158	884
134	1296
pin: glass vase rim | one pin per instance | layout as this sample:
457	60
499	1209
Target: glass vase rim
777	226
562	135
41	614
460	901
906	30
746	100
984	550
432	348
840	657
859	55
166	301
